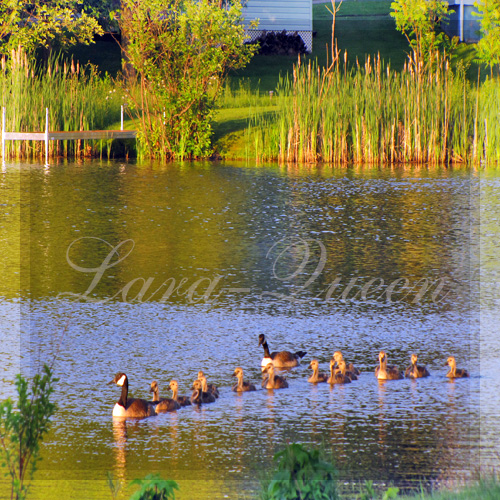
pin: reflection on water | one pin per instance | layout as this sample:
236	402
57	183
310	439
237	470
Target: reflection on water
162	271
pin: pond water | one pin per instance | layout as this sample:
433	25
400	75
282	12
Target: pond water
159	271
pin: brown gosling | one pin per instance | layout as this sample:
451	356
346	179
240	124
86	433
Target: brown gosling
384	372
130	407
241	385
416	371
273	381
338	376
163	404
282	359
182	400
197	395
316	376
206	387
455	372
206	397
337	356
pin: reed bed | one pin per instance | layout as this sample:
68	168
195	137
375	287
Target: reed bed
78	98
371	114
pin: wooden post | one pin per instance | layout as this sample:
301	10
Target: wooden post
3	135
46	137
122	117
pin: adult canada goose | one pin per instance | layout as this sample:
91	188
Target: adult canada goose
206	397
350	368
196	396
130	407
416	371
163	404
273	381
338	376
206	387
182	400
283	359
242	385
384	372
316	375
454	371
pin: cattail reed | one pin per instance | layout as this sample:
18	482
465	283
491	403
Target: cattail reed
371	114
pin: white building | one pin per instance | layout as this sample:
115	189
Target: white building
278	15
462	23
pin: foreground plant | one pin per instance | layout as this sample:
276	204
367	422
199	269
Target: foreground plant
22	428
153	487
301	475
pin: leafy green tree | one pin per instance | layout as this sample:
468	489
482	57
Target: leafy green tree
488	47
420	22
22	428
301	475
181	52
49	24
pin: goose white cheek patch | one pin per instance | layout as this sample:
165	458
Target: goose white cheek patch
121	381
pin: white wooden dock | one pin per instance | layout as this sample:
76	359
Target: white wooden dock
48	135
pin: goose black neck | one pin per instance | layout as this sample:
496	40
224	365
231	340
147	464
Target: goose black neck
267	354
123	398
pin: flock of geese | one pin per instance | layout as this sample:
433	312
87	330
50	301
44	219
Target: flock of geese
203	392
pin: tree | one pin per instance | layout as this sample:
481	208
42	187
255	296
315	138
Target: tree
488	47
22	428
420	21
50	24
181	52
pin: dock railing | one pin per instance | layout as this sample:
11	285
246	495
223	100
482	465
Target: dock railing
62	136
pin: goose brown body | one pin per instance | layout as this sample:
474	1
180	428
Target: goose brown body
316	376
162	404
130	407
385	372
455	372
414	370
273	381
241	385
281	359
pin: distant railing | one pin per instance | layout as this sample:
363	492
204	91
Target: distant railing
62	136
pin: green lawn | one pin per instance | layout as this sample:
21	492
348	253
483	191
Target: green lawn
362	28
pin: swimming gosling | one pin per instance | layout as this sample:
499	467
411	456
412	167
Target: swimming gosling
416	371
206	387
182	400
316	376
384	372
455	372
273	381
163	404
241	385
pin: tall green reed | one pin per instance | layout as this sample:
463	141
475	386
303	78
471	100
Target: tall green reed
371	114
78	98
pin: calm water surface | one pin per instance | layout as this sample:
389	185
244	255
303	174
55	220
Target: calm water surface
160	271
